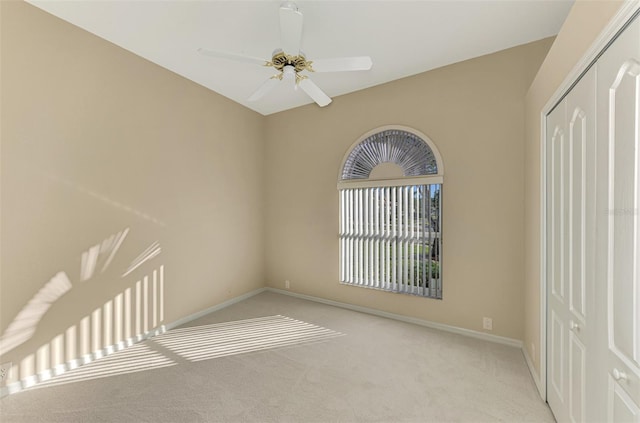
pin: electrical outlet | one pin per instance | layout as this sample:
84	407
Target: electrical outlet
287	285
487	323
4	371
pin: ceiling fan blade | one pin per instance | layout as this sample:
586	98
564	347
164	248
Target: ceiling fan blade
315	92
233	56
290	28
264	88
342	64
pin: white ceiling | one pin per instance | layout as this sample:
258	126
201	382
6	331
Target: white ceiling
402	37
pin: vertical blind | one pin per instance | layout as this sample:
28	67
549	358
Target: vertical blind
390	238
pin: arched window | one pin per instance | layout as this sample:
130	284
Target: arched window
390	187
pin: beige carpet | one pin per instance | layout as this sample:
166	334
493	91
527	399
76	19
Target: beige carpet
274	358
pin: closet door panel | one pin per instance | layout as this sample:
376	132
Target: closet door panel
557	319
618	119
571	234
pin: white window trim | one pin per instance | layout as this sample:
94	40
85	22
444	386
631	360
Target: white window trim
401	182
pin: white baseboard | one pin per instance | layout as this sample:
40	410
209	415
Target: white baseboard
534	373
30	381
434	325
216	307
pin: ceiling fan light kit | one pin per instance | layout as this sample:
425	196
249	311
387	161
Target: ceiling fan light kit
290	61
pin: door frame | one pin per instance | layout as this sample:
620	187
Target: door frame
620	20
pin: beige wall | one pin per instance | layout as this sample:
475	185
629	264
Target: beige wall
585	22
474	113
96	140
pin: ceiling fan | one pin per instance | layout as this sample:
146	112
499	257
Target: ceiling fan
290	61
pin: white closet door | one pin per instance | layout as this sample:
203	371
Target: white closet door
557	308
619	220
571	235
581	124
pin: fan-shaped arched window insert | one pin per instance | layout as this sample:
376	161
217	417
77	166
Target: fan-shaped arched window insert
390	185
413	155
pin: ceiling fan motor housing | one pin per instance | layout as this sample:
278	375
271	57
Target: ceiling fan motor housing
280	59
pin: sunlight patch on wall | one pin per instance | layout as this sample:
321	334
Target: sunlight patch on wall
107	249
151	251
23	326
242	336
129	317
